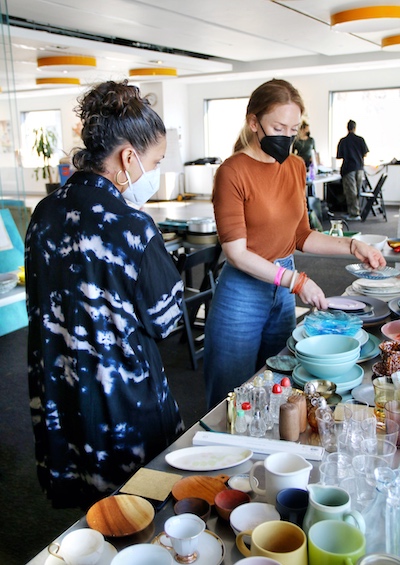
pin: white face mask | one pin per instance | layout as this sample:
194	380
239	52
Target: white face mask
140	191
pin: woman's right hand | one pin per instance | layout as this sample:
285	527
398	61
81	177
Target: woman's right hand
313	295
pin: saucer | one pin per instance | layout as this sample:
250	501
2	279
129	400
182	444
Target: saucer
211	549
343	383
108	555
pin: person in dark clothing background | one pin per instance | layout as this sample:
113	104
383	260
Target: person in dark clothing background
352	149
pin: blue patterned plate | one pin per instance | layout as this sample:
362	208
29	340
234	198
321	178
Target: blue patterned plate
361	271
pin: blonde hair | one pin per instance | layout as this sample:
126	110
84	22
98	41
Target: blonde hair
275	92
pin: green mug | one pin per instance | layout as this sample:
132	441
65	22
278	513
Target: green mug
333	542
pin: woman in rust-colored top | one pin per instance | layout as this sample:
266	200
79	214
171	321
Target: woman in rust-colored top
261	214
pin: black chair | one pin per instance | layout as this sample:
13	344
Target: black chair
372	198
204	265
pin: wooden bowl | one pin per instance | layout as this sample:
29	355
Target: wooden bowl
193	505
227	500
120	515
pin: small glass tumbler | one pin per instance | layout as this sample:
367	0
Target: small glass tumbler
383	392
392	412
381	447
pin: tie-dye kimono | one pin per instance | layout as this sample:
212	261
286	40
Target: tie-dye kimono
101	289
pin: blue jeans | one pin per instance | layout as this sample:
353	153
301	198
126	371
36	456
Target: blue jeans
249	321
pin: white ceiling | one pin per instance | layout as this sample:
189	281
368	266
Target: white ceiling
234	39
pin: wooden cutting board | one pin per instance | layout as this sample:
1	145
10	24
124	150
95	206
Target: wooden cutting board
199	486
120	515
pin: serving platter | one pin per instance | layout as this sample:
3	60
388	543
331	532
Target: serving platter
207	458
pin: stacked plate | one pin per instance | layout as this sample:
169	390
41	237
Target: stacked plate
385	290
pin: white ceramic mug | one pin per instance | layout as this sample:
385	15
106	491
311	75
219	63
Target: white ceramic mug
184	531
282	470
80	547
143	554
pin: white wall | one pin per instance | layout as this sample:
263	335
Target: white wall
182	107
31	102
315	90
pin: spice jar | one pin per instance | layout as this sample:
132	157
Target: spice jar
301	403
289	421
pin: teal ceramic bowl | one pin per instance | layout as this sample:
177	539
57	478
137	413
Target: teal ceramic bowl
329	370
327	346
353	356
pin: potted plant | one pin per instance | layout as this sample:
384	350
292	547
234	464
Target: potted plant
44	145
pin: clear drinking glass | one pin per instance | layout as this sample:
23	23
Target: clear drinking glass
381	447
393	519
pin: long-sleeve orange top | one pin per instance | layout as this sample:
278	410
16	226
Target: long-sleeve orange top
264	203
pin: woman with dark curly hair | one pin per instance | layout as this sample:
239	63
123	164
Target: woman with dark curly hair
101	288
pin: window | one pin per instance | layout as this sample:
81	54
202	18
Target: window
376	113
46	119
224	118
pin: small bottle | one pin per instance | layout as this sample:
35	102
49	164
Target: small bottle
268	383
247	410
240	423
311	172
230	412
269	422
286	387
257	425
277	399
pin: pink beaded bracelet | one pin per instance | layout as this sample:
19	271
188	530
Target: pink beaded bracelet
278	276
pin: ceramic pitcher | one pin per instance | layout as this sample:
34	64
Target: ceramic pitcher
330	503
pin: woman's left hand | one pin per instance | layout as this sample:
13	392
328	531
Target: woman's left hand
367	254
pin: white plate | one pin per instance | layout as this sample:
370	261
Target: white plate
108	555
351	290
211	548
345	304
208	458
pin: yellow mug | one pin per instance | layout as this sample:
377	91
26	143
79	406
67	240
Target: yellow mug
283	541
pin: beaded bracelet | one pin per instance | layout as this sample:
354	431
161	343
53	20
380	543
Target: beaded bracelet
292	280
278	276
301	281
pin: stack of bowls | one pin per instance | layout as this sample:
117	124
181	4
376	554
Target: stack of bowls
329	355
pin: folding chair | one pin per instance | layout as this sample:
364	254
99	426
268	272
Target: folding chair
195	298
372	198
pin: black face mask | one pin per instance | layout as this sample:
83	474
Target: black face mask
277	146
